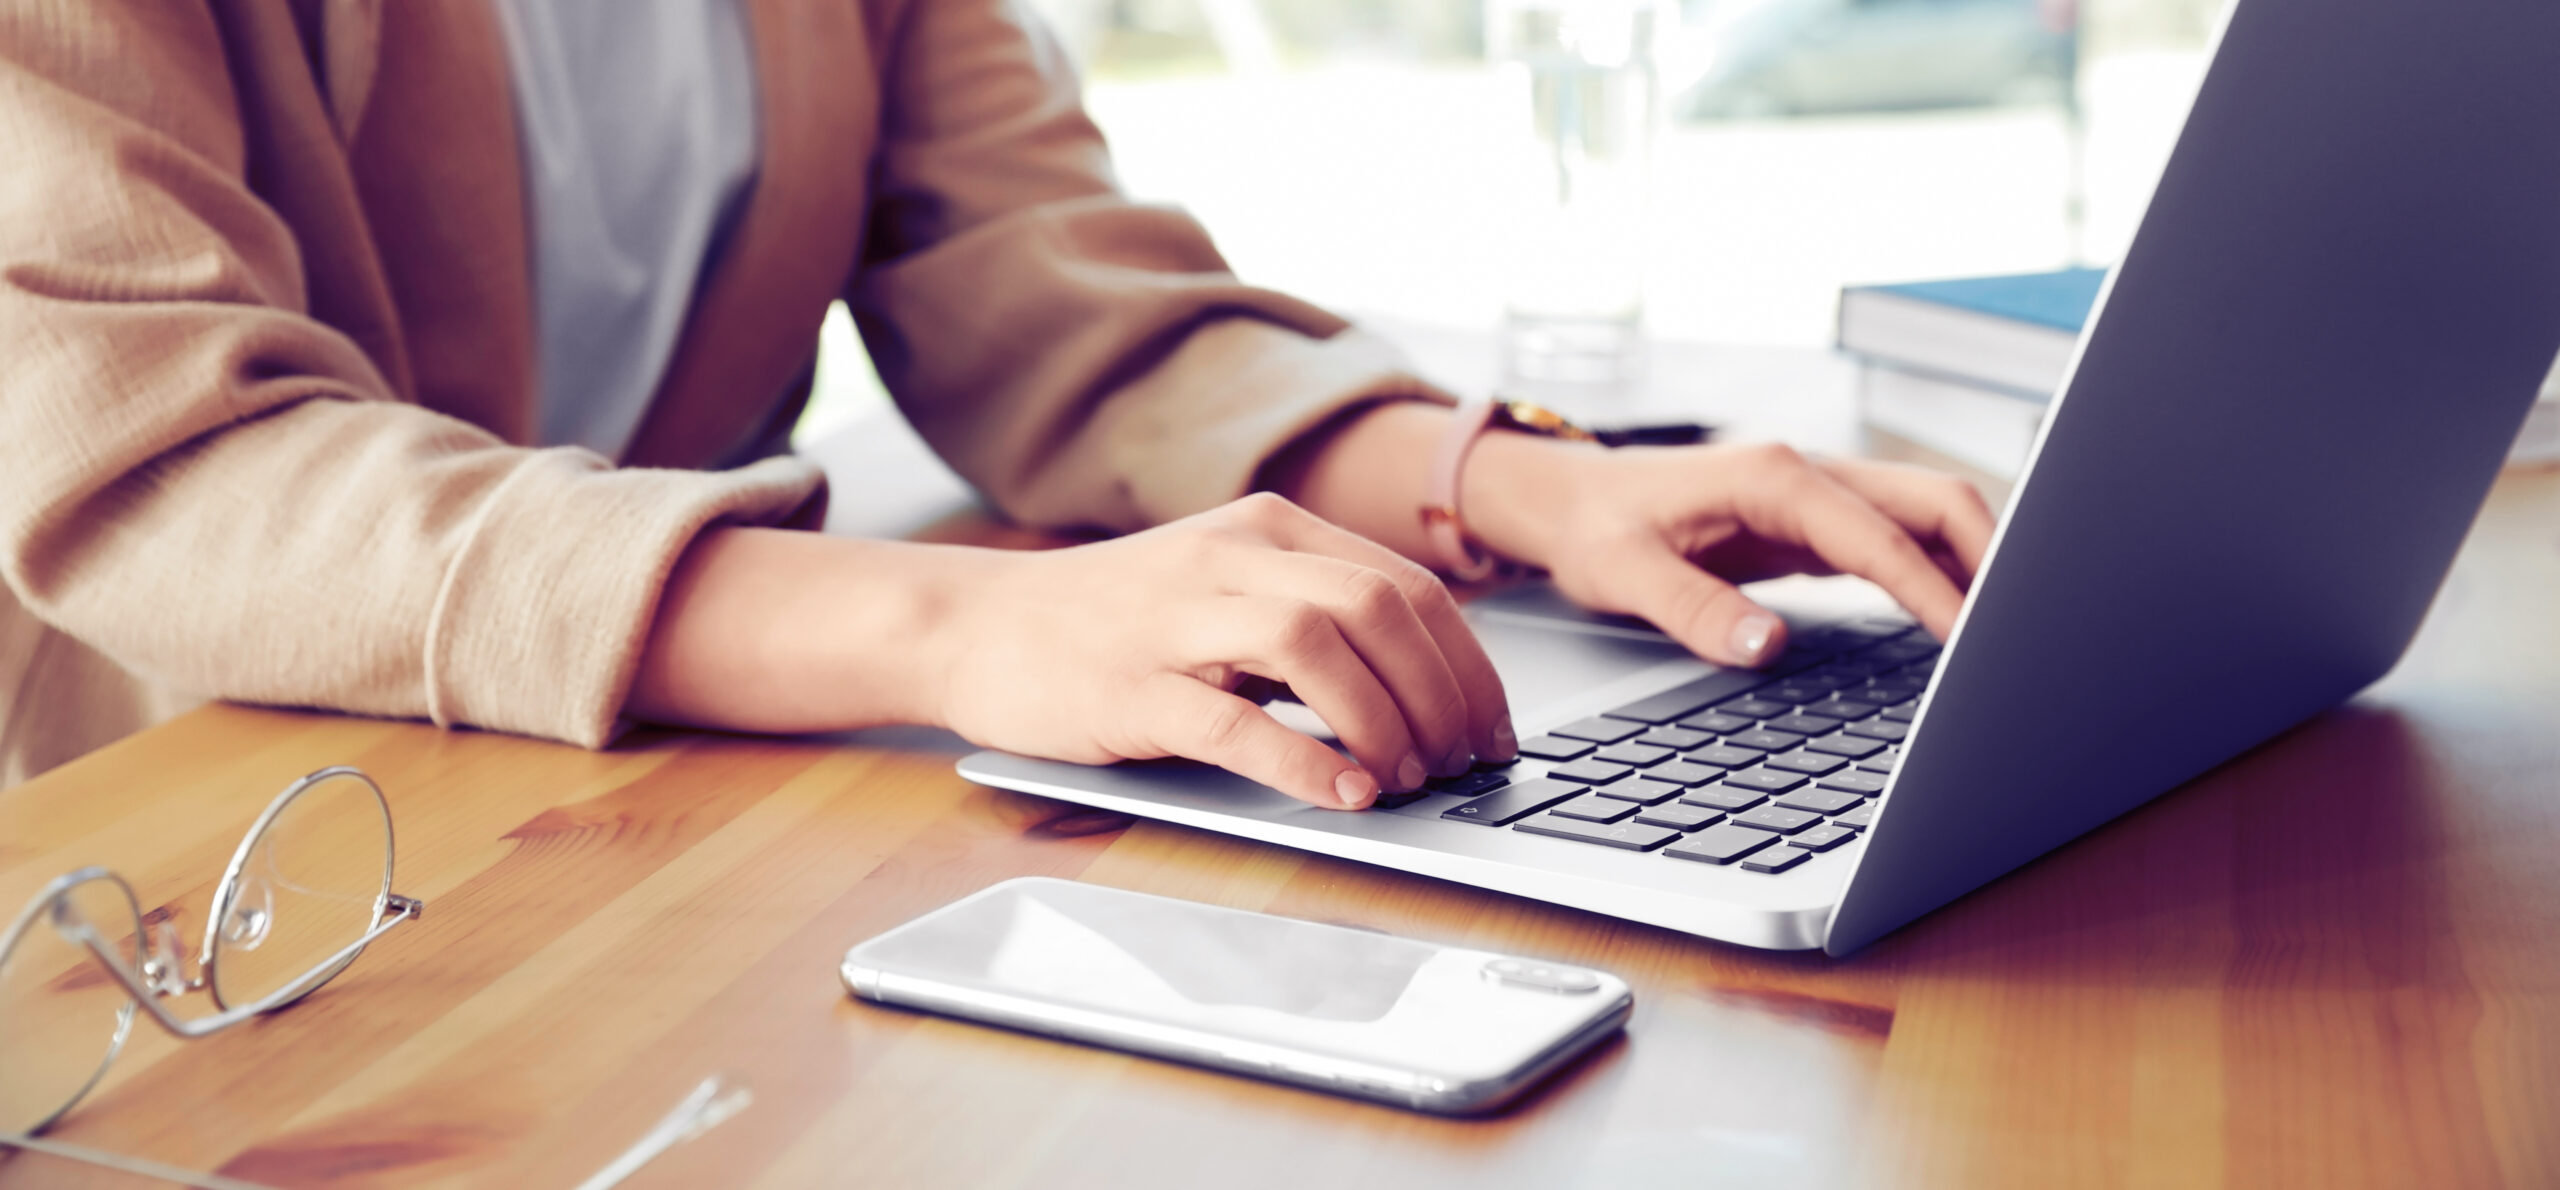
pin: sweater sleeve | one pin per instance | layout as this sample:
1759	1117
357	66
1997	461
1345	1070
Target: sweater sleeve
220	491
1085	360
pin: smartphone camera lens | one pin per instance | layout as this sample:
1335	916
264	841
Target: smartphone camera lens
1543	977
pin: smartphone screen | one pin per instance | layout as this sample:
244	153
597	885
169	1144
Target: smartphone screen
1439	1028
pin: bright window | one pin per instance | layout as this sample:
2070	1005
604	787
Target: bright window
1344	150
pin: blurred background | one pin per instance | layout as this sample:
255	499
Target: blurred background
1355	151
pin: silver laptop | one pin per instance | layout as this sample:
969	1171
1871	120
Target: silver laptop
2290	402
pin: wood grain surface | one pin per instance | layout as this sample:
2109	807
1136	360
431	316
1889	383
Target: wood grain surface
2333	962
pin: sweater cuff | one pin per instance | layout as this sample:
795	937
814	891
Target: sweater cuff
540	619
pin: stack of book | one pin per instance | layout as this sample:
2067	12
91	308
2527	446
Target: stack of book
1968	367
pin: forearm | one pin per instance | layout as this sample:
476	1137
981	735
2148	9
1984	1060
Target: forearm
1371	473
775	631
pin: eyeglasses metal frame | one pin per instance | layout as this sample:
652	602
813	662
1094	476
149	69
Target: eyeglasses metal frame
153	977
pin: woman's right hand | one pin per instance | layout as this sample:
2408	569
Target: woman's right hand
1125	649
1134	648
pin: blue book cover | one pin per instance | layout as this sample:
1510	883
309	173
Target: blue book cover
2013	333
2058	300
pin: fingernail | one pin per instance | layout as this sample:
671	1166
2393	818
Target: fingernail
1354	788
1409	774
1457	761
1505	744
1751	636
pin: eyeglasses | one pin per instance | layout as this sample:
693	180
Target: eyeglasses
308	889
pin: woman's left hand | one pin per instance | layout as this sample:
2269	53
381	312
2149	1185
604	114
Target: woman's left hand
1664	533
1668	533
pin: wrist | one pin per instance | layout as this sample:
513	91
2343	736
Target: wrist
1370	472
1514	490
779	631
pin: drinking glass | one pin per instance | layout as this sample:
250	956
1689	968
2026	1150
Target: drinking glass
1584	72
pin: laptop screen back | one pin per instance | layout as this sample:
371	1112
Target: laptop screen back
2288	408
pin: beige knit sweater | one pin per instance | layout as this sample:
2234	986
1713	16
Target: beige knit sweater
266	349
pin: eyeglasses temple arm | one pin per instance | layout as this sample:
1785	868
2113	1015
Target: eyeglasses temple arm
401	909
132	1165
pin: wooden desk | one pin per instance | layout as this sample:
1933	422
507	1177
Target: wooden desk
2334	962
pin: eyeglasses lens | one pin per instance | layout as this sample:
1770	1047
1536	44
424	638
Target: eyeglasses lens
62	1019
313	883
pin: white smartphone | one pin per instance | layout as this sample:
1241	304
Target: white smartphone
1439	1028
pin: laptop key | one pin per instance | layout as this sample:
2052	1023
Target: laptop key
1639	755
1680	739
1763	780
1838	710
1791	692
1904	713
1854	747
1588	772
1679	817
1592	807
1837	636
1717	723
1854	671
1859	819
1640	790
1722	843
1633	836
1819	800
1810	763
1796	660
1804	724
1881	729
1471	783
1755	708
1822	838
1722	797
1430	804
1862	784
1682	772
1554	747
1690	697
1723	757
1775	859
1764	740
1823	638
1880	764
1776	818
1398	801
1518	800
1599	729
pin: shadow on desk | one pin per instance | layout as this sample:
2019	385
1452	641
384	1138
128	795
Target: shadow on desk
2315	840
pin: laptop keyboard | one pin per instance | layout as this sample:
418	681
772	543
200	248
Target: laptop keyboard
1764	770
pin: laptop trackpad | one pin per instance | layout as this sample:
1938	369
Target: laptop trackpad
1545	648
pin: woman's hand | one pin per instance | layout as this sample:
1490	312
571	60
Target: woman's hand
1663	533
1125	649
1667	533
1134	648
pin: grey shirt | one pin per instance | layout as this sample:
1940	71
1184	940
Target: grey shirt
637	120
